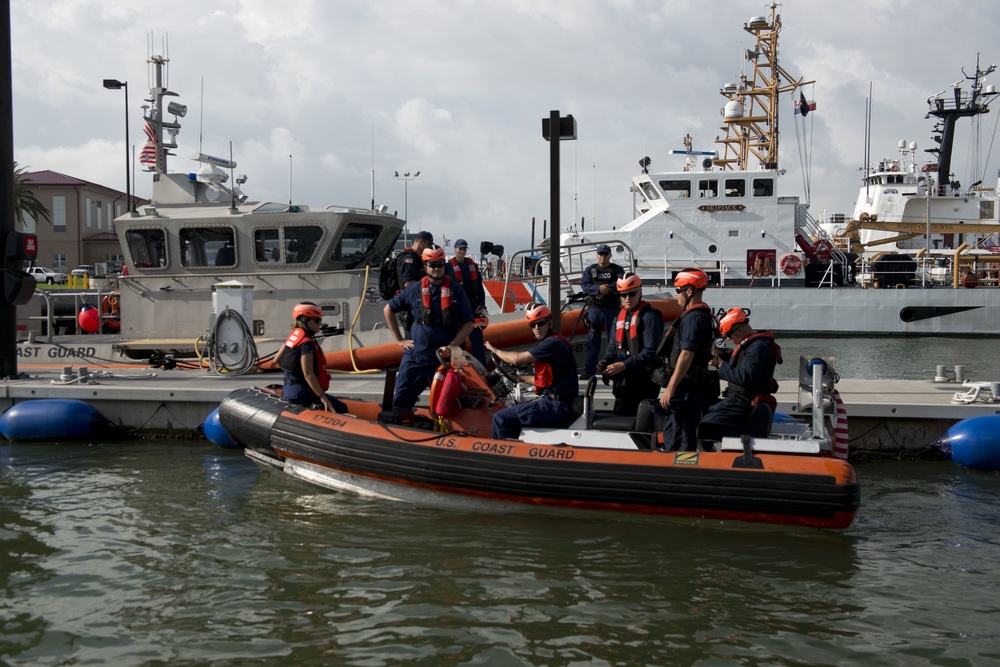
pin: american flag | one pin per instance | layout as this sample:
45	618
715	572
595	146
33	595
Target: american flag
447	241
148	154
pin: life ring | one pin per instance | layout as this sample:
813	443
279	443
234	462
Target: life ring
791	265
436	384
823	249
447	398
110	313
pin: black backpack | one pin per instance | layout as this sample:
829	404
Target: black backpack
388	277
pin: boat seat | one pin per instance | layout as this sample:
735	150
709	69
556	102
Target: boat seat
758	425
645	420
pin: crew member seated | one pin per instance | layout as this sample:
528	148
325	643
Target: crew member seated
555	379
749	370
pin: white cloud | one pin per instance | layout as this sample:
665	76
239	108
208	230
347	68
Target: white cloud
457	89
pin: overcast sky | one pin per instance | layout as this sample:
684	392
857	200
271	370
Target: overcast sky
457	90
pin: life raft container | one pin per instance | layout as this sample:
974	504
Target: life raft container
791	265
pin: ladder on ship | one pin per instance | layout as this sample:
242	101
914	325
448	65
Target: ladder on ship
807	225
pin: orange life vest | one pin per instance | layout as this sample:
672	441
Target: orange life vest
294	340
543	369
426	300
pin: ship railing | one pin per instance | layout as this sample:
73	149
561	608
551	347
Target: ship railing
574	260
807	225
93	297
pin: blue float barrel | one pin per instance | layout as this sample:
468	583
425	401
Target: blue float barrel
53	419
215	433
973	442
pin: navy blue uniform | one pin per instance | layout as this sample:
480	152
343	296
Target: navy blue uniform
554	406
637	350
416	371
602	311
473	288
748	378
695	331
409	268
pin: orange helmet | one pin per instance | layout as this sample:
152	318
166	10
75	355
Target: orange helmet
696	278
537	312
433	255
629	281
733	317
307	309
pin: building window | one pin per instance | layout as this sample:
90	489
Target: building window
86	208
59	213
58	261
27	223
100	215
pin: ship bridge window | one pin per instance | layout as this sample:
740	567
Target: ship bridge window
208	246
354	244
649	192
148	248
676	189
736	187
763	187
301	242
266	245
708	189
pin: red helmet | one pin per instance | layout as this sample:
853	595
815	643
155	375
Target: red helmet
307	309
537	312
733	317
696	278
433	255
629	281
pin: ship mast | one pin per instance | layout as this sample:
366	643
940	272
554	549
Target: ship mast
751	114
949	108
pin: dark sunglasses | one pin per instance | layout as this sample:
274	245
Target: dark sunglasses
434	265
314	319
535	325
629	295
681	290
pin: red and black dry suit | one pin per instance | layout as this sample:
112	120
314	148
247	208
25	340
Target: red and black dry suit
296	390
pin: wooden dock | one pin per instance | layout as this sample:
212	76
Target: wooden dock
886	418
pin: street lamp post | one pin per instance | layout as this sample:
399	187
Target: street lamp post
406	178
115	84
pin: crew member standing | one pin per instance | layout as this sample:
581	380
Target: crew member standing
687	348
554	380
410	269
463	270
749	371
598	282
442	317
631	355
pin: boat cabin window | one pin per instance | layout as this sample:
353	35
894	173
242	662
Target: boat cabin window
763	187
354	244
708	189
301	242
148	248
266	245
676	189
736	187
208	246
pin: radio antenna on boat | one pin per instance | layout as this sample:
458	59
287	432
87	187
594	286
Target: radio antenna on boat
289	182
232	180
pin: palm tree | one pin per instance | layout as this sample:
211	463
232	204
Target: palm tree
25	202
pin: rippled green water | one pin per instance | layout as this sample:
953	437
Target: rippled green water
145	553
